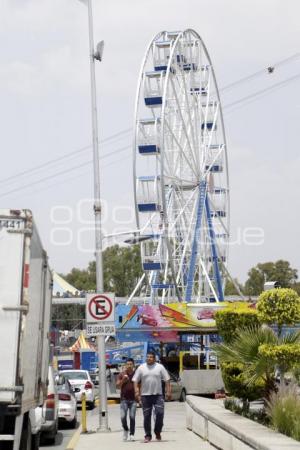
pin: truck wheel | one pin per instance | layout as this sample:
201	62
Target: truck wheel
26	438
182	396
73	424
35	443
51	439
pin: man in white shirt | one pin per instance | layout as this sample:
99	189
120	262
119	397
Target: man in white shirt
148	390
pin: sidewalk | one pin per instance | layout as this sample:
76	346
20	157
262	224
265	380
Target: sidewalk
174	436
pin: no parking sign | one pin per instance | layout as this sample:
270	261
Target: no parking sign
100	314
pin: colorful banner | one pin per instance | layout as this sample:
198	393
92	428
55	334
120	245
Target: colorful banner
162	322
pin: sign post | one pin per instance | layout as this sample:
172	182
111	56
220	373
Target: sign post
100	322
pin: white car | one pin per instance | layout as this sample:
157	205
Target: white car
81	382
67	404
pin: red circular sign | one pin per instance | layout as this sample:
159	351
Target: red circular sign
100	307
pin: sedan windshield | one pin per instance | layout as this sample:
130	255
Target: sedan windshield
76	375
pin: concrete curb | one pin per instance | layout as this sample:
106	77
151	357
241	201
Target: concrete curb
111	401
229	431
74	439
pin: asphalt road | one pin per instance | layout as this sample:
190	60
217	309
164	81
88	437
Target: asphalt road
63	436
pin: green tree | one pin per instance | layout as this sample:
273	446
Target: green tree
67	317
279	307
235	316
296	287
230	288
280	271
121	271
82	279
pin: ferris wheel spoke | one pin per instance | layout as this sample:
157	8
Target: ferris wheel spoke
208	280
179	180
183	210
187	243
183	123
181	149
193	126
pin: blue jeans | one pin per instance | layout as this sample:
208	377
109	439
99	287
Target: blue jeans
148	403
125	406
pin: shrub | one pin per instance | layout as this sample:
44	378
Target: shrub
237	384
284	411
259	416
279	307
296	373
283	355
235	316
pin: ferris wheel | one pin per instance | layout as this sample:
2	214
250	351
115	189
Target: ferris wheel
181	184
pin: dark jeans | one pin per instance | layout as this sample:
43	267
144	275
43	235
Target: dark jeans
126	405
148	403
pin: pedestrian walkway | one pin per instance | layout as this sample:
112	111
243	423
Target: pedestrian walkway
175	436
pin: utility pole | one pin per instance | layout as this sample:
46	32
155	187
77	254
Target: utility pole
103	414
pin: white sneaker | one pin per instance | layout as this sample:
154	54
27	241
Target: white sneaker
131	437
125	435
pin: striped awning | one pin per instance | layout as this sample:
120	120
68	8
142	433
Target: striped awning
81	343
62	287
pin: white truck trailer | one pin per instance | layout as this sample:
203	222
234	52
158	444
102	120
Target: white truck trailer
25	314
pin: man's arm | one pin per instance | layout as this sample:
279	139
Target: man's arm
119	381
166	378
137	393
168	390
136	380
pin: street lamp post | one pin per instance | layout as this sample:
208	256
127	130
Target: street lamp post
103	414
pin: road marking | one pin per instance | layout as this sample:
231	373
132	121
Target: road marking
74	439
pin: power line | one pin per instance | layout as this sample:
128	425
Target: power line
239	102
66	180
126	131
61	158
263	91
258	73
62	172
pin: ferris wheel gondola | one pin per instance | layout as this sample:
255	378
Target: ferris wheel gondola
181	183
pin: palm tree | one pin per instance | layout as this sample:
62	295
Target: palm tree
244	349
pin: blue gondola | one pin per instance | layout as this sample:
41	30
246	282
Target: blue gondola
148	207
208	125
153	101
214	168
152	265
222	258
189	66
149	149
218	213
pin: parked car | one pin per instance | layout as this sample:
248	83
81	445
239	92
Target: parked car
67	404
49	410
81	382
176	387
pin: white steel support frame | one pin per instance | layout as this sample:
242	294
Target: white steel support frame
192	148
